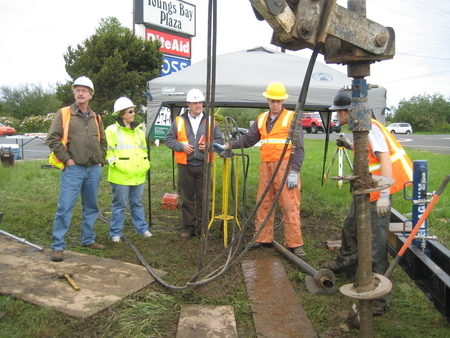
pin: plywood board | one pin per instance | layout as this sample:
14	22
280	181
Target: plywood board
198	321
277	311
29	274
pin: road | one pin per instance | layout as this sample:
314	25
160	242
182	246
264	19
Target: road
35	148
31	148
439	144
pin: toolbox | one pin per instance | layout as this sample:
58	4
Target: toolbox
170	201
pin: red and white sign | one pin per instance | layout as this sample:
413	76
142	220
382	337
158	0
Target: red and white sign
170	44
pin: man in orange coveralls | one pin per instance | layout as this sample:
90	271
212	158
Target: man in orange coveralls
272	129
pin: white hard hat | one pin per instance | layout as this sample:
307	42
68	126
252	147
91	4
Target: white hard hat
121	104
195	95
83	81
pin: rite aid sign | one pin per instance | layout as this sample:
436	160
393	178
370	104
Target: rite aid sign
170	44
171	15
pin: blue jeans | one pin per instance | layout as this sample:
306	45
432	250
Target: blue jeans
76	179
121	195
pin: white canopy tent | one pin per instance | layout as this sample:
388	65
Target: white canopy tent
242	77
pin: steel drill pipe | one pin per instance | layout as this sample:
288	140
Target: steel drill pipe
324	278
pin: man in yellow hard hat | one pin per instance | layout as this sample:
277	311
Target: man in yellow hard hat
272	129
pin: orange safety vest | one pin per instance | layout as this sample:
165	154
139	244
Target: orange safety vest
180	156
65	113
272	143
401	164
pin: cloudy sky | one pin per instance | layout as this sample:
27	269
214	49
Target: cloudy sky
34	35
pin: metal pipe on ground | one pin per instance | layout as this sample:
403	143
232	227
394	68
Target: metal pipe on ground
317	282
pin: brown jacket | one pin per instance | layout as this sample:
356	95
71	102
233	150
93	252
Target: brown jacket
83	145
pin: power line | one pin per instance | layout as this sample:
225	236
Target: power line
422	8
423	56
416	77
409	16
427	4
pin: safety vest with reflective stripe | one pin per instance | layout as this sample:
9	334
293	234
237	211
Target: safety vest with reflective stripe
401	164
65	113
272	143
127	155
180	156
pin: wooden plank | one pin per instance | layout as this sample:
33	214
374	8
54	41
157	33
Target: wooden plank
400	227
277	312
198	321
334	244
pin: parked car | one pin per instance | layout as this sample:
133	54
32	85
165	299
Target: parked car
335	126
237	132
312	123
399	128
5	130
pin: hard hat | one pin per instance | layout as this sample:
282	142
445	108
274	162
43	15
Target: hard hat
195	95
121	104
342	100
83	81
276	91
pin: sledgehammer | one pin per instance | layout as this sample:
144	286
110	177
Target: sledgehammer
69	276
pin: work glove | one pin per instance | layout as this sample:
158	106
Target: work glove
219	147
292	180
384	204
344	142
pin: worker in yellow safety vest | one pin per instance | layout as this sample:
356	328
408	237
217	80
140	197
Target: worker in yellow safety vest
127	156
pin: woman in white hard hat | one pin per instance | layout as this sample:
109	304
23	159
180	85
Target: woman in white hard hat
128	161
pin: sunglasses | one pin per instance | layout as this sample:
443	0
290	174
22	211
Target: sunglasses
131	112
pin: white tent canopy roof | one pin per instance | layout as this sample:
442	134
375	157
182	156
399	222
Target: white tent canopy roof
242	77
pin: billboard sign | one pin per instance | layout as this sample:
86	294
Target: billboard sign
171	15
170	44
172	65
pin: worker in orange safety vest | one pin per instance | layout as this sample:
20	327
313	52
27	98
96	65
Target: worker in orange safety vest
272	129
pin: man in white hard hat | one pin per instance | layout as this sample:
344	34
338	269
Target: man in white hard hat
272	129
186	137
77	140
127	156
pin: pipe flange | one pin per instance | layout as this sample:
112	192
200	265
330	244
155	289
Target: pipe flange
323	282
382	286
383	182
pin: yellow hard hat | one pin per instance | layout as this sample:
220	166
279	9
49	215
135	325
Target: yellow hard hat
276	91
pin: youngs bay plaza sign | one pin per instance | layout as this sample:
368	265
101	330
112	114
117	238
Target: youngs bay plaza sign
172	15
173	23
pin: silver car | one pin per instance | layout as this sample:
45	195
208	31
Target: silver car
399	128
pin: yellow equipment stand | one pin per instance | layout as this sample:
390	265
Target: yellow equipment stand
224	216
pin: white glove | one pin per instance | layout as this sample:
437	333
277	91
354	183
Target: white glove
292	180
344	142
384	204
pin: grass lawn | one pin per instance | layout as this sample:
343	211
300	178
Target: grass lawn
28	198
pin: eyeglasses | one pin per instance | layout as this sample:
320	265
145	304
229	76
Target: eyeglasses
81	90
131	112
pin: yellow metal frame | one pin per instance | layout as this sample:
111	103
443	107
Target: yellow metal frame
224	216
